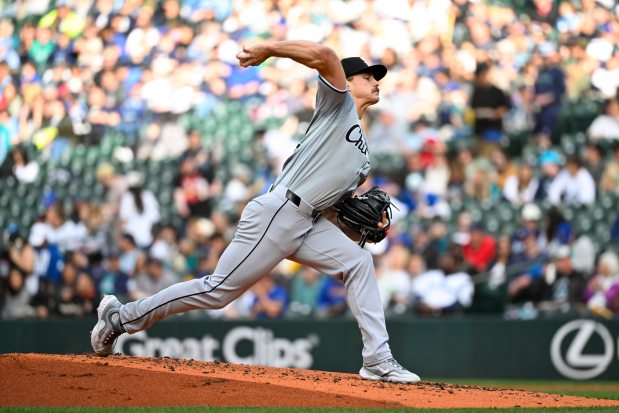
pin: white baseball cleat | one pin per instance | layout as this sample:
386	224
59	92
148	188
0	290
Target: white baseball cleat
108	328
389	370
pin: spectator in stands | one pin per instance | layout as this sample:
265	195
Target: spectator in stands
100	115
16	298
24	169
215	247
499	268
271	299
49	260
479	251
115	186
416	268
490	105
521	188
5	141
154	278
86	296
550	166
42	48
526	279
593	160
64	20
444	290
19	253
332	299
132	112
75	229
480	182
193	193
304	291
95	242
530	222
165	245
598	288
76	71
432	242
462	234
573	185
393	279
77	295
202	158
569	285
237	191
69	234
65	291
606	124
557	230
545	12
131	258
113	280
610	178
549	89
504	167
139	211
583	253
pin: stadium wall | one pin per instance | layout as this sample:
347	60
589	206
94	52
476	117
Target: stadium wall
577	349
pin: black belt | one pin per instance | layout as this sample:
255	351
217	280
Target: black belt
296	199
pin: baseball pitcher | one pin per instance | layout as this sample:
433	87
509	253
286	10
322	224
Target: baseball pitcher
301	218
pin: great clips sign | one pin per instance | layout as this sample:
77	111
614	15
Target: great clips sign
240	345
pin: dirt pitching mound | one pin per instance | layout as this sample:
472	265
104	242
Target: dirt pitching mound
89	381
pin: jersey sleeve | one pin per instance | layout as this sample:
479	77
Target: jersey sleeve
329	98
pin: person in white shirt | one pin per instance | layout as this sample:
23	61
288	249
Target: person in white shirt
24	170
573	185
139	211
606	124
393	279
521	188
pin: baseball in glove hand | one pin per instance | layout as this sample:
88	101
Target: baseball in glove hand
363	213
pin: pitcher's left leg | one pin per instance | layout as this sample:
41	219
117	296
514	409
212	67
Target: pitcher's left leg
329	251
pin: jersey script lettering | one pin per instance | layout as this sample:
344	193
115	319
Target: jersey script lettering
357	141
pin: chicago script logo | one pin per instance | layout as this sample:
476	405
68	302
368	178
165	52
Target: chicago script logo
357	139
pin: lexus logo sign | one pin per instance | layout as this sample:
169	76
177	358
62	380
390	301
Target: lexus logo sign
567	349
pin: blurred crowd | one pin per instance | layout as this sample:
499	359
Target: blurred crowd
471	112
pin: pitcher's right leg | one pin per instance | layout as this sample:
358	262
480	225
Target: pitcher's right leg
270	229
262	240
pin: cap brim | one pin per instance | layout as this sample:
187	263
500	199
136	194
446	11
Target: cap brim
377	71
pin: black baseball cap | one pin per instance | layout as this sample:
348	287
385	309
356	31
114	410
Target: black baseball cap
355	65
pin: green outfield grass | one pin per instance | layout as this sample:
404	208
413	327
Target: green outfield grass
595	389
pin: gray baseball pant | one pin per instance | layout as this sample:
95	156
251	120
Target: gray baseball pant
271	229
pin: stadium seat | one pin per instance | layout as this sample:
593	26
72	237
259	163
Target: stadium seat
505	213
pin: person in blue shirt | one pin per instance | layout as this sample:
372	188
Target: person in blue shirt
113	280
331	299
271	299
525	274
549	89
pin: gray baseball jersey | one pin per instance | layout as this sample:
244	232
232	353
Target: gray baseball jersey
332	159
330	162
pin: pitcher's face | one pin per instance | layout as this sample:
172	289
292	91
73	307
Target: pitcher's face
364	86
